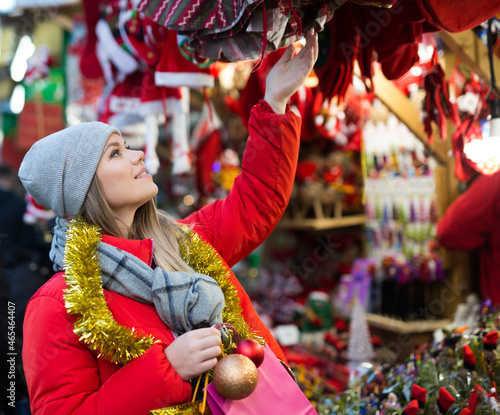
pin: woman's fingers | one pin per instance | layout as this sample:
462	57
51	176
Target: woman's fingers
310	49
289	73
206	365
209	342
316	47
287	55
204	333
194	352
209	353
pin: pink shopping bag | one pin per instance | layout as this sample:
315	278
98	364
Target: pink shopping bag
276	394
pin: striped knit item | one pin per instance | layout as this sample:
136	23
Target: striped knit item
184	301
235	30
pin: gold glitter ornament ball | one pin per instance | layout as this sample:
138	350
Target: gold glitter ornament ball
235	376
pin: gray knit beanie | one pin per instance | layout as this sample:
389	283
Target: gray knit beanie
58	169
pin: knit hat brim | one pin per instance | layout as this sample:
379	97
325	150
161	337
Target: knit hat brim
58	169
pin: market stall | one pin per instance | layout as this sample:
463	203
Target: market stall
357	282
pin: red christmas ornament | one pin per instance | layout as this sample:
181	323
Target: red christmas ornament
251	349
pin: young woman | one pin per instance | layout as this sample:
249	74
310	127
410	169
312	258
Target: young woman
126	330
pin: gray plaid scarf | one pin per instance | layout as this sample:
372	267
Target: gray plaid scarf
184	300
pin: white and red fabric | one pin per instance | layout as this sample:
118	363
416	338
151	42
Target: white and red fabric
174	70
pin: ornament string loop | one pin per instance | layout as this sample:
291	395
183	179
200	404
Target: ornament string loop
229	337
204	400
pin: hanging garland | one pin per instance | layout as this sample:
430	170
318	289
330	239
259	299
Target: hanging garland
204	259
84	295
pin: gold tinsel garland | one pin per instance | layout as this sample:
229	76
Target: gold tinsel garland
204	259
191	408
84	296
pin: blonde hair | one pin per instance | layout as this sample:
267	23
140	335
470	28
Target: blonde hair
149	222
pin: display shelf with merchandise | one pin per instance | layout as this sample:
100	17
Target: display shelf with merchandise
323	223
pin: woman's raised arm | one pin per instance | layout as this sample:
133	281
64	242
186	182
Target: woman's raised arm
259	196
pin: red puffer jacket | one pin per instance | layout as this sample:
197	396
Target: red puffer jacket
64	377
473	221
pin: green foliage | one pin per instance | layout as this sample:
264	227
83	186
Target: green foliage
442	369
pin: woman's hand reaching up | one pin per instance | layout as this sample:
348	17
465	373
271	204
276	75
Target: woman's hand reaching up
289	73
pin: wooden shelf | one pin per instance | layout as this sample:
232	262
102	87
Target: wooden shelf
324	223
397	102
404	327
471	51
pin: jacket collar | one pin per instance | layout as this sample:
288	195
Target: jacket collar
141	248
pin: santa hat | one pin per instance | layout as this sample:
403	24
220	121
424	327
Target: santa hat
493	391
125	98
376	341
155	99
490	341
35	212
420	394
137	94
411	408
469	358
445	400
173	69
136	101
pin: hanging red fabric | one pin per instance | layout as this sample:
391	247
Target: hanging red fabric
264	39
296	17
438	107
209	105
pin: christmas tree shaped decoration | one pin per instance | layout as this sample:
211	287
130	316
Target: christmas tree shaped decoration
360	347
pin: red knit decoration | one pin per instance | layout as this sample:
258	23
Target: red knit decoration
445	399
491	337
411	408
469	357
418	393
